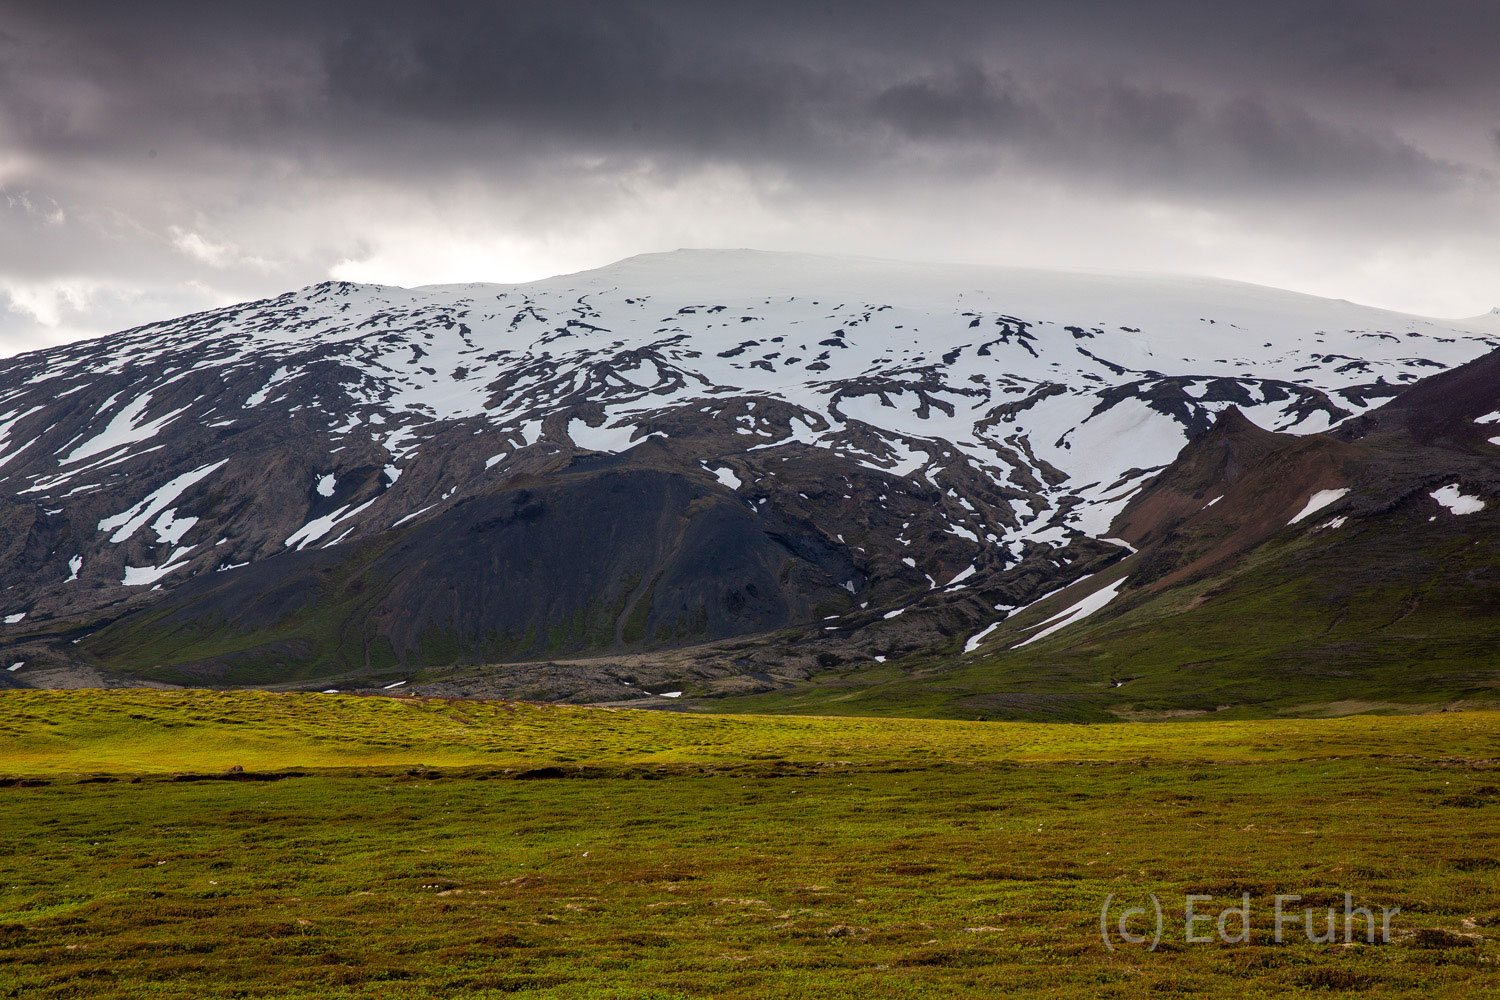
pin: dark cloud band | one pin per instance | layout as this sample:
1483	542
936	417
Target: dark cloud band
141	122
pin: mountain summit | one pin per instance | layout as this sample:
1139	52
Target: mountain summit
350	483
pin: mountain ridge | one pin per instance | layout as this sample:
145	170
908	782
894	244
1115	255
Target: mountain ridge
903	440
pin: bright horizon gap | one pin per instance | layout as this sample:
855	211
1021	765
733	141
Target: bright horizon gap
956	262
364	272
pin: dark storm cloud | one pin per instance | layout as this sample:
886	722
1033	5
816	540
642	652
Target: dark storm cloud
967	104
774	82
180	142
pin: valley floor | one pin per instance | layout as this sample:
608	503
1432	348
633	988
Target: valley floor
374	847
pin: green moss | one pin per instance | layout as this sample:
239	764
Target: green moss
441	646
635	626
836	604
599	630
766	857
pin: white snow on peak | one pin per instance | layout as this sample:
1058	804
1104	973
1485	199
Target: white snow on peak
725	476
127	522
1318	501
140	576
1456	501
320	526
1077	612
910	369
602	438
7	422
979	637
412	516
961	576
1489	321
170	528
126	427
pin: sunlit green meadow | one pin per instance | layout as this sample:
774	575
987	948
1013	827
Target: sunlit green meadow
414	848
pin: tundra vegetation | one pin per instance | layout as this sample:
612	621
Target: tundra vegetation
216	844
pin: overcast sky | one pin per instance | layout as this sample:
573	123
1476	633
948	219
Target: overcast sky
157	158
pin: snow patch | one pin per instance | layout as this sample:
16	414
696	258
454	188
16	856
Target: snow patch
126	428
1318	501
603	438
140	576
978	637
1078	612
414	514
170	528
320	526
726	477
962	576
128	522
1457	503
6	423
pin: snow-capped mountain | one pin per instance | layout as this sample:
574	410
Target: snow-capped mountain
788	439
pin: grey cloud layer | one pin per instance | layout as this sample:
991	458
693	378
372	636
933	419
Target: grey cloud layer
142	122
779	82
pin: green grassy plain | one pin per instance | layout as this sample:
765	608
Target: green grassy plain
676	855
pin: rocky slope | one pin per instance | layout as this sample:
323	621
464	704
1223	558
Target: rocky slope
749	465
1354	570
